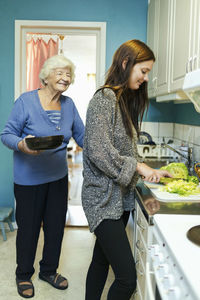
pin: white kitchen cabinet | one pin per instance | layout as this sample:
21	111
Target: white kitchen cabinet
158	39
196	37
160	231
152	27
182	38
163	54
143	235
175	42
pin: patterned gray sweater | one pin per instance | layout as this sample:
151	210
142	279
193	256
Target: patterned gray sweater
109	159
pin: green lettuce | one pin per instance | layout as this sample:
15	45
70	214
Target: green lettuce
193	179
182	188
178	170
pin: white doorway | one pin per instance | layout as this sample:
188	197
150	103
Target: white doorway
22	27
84	58
84	44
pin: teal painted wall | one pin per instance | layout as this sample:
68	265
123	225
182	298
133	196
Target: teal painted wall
186	114
125	20
170	112
160	112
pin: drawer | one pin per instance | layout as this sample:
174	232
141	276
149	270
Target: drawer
141	247
141	279
142	223
137	295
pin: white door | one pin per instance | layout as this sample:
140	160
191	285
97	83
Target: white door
163	47
196	36
181	51
152	32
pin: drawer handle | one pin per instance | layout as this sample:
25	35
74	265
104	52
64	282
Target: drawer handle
135	293
137	268
138	246
140	225
140	273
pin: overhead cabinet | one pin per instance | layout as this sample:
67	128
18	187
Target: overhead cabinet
152	27
174	36
163	40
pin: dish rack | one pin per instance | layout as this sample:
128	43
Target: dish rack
156	152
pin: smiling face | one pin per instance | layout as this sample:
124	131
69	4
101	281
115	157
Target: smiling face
59	79
139	74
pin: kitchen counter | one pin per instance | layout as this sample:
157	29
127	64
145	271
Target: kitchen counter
151	206
162	250
181	250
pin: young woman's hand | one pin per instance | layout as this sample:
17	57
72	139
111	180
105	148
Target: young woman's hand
24	147
151	175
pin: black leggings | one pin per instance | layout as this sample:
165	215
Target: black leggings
35	204
111	248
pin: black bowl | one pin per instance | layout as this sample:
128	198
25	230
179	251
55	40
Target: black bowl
44	142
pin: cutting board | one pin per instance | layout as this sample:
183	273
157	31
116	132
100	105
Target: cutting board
169	197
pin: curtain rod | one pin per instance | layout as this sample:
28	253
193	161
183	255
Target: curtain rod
47	33
61	36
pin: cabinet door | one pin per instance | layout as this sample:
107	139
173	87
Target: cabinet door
181	48
152	43
196	35
163	47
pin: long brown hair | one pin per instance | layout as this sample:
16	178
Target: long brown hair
132	103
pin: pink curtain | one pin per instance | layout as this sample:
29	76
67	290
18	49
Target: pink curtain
36	54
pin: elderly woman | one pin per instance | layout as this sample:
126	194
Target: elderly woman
40	177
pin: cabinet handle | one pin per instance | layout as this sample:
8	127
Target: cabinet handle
187	66
137	268
194	66
140	224
135	293
138	246
140	273
137	263
154	81
190	63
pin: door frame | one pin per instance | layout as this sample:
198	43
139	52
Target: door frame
62	27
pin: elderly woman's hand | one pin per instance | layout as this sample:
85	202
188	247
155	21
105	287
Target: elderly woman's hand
24	148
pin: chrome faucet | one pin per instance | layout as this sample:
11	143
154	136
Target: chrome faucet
188	157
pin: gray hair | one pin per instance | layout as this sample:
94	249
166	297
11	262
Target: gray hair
54	62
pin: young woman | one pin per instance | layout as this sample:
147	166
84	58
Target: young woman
112	167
